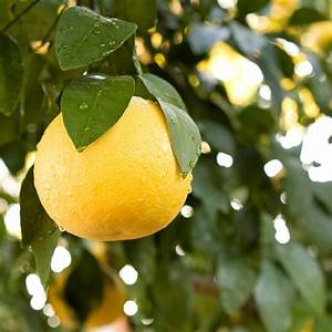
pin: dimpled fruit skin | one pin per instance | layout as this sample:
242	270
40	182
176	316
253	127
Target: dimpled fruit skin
124	185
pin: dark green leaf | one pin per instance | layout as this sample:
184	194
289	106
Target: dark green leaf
36	225
323	193
255	122
39	20
162	90
218	136
124	60
13	155
142	255
43	252
184	134
304	270
84	288
172	295
302	206
305	15
8	128
274	295
236	279
207	186
91	104
11	74
141	12
83	37
244	7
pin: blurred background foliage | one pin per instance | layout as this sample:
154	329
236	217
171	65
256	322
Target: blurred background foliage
251	249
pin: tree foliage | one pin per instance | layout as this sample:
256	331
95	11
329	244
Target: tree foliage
251	250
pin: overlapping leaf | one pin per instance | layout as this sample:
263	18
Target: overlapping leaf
83	37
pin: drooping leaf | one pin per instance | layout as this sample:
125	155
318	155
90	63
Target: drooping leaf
91	104
162	90
184	134
236	279
11	74
273	296
304	270
141	12
36	225
305	15
39	233
83	37
43	252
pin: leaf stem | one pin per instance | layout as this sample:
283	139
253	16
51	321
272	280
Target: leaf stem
20	15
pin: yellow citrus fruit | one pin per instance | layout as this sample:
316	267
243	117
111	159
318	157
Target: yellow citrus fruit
318	36
110	308
124	185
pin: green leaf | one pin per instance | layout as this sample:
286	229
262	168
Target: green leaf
236	279
218	136
141	12
9	129
142	255
172	297
244	7
207	186
304	271
255	122
184	134
83	37
91	104
323	193
11	74
162	90
124	60
36	225
273	296
305	15
43	252
84	288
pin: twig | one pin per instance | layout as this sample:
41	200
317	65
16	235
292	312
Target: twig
22	13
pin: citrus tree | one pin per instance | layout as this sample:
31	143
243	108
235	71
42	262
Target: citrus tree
165	164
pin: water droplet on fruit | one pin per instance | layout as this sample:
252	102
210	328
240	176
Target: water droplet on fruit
84	106
47	186
61	229
190	189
